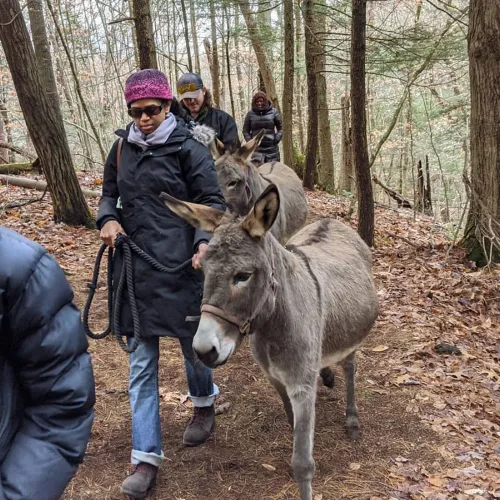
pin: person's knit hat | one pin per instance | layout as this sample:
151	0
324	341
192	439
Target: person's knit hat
147	84
260	94
189	86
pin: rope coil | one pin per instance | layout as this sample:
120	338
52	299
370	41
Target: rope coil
115	299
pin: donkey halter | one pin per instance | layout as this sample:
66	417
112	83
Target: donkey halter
243	325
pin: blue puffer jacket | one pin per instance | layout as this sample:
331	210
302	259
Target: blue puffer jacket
46	381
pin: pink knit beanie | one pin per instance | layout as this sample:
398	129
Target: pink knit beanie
147	84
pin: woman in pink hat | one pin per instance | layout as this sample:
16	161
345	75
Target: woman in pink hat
159	153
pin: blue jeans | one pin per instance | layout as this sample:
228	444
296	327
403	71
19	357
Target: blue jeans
145	399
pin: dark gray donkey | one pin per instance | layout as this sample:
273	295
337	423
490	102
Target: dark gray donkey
242	183
305	307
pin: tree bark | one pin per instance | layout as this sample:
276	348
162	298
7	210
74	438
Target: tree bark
288	77
298	77
260	52
326	171
239	72
186	35
482	233
4	152
194	34
366	210
228	62
42	53
8	131
44	128
312	52
144	32
346	172
215	67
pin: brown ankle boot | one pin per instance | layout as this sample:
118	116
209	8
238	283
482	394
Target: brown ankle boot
141	481
200	426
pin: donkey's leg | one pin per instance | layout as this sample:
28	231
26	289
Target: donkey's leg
351	412
328	377
280	388
303	398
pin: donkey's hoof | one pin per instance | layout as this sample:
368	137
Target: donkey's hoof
328	377
353	432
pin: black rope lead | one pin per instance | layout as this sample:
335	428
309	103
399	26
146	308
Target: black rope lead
115	300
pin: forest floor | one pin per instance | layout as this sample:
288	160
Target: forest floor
430	421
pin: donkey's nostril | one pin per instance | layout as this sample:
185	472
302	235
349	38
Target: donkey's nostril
209	358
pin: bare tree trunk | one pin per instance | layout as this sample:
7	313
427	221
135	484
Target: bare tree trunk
144	31
239	73
186	35
76	80
45	129
228	62
4	152
288	75
8	130
298	77
42	53
260	52
482	233
194	35
215	68
326	171
311	49
366	210
346	173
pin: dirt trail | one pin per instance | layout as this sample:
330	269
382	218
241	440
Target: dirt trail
430	425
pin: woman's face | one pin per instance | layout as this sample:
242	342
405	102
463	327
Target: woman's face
153	113
260	103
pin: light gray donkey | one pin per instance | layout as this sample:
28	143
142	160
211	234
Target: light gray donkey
242	183
306	307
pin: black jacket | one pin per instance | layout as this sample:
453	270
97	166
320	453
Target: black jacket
223	124
270	120
46	382
183	168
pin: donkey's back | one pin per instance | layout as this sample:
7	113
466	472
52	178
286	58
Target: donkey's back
293	205
341	264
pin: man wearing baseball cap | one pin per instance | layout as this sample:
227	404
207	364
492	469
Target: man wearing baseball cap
196	99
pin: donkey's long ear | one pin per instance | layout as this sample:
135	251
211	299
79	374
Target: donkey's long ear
263	214
246	151
200	216
217	149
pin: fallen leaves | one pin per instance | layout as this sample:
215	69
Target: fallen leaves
380	348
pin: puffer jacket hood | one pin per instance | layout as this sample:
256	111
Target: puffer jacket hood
46	381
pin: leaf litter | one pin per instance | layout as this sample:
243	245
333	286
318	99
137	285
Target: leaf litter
429	416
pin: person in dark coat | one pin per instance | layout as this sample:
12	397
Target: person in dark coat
46	381
196	100
159	153
264	116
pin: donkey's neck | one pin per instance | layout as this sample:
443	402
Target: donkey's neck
294	283
255	182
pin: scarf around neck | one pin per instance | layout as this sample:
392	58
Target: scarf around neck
159	136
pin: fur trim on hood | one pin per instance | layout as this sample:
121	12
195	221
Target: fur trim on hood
203	134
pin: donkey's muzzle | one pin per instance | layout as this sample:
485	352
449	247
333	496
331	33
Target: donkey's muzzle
208	358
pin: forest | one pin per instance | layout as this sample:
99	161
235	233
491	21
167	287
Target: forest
391	120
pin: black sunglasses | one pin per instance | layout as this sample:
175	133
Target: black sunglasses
149	110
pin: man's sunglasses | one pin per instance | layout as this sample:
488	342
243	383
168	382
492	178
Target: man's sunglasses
149	110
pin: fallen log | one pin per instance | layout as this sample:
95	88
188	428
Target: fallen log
38	185
401	201
15	168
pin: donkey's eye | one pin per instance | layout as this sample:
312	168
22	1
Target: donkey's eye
233	184
241	278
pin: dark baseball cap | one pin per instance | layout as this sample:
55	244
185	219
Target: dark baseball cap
189	86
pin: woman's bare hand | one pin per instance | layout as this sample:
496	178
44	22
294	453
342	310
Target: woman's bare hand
110	231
